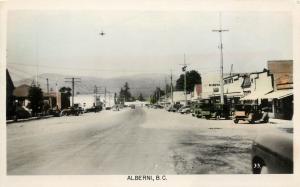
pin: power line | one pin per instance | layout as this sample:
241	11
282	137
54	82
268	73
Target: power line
100	69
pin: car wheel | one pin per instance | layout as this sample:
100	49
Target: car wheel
236	121
258	166
266	120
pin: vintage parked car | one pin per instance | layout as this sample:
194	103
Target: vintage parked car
192	107
219	111
94	109
157	106
272	152
174	107
55	112
75	111
22	113
197	110
251	113
108	108
216	111
116	108
168	108
185	109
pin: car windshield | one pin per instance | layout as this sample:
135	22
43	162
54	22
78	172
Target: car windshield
205	106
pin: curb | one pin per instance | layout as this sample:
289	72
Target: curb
28	119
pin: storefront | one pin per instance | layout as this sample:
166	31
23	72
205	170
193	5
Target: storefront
282	103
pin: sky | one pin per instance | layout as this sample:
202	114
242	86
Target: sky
142	42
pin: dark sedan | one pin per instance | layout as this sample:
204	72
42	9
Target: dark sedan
272	153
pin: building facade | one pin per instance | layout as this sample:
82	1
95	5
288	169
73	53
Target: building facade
210	85
282	97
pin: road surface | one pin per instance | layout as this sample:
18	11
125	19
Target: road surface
130	141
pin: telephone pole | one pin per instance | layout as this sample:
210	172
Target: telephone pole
109	99
72	80
96	94
184	66
50	99
166	89
105	96
220	31
47	85
231	70
56	90
171	87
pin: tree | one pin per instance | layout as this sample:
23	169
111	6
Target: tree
192	78
156	95
65	97
125	93
141	98
35	97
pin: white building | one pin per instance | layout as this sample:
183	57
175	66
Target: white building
233	86
85	101
210	85
179	97
257	85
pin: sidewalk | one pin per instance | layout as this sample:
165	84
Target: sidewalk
28	119
281	121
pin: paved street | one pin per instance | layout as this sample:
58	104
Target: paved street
130	141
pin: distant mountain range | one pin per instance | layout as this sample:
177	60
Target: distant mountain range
144	84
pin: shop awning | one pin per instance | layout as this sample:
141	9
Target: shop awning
233	94
253	96
279	94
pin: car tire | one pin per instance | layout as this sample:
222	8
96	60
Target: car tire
258	166
236	121
266	120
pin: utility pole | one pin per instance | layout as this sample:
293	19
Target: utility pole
171	87
231	69
184	66
47	85
166	89
73	81
50	99
95	92
105	96
56	90
109	99
37	55
220	31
